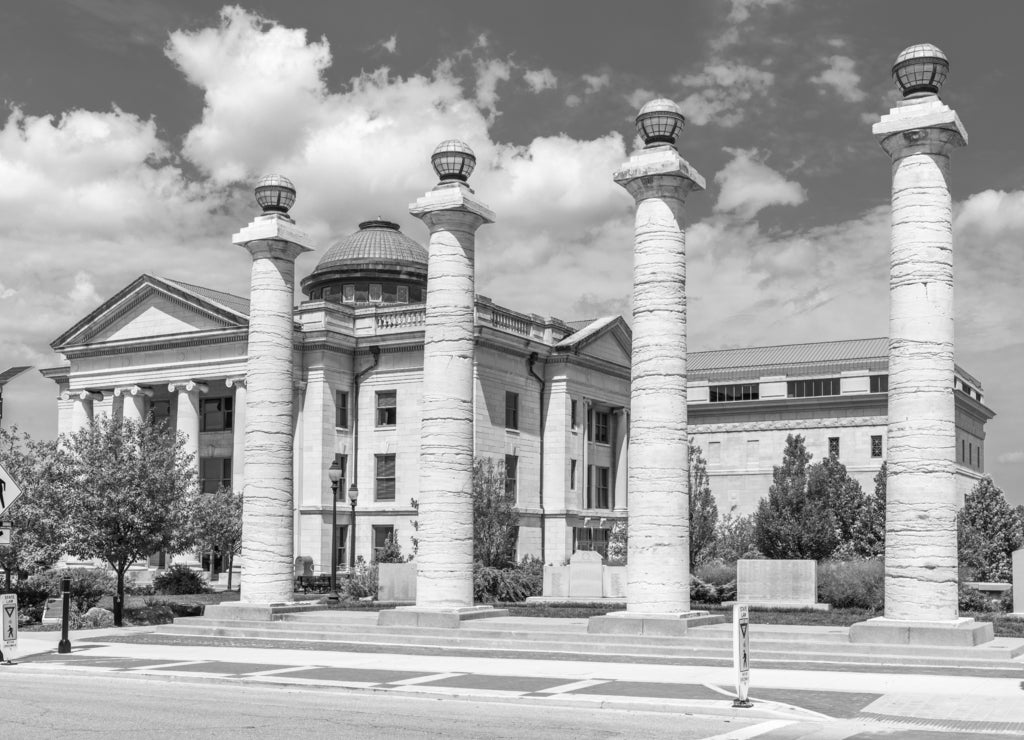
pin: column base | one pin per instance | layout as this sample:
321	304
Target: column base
267	612
961	632
450	617
659	625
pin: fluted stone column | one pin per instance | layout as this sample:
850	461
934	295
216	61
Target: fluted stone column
658	572
238	434
274	243
186	419
134	402
622	460
921	572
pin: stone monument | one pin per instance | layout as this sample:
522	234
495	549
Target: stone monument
658	574
921	572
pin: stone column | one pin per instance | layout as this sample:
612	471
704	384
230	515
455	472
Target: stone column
621	460
444	572
103	405
237	434
134	402
274	243
186	419
921	572
81	407
658	574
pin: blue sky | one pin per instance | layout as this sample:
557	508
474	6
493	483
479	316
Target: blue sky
132	132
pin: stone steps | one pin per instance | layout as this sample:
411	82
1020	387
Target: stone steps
701	643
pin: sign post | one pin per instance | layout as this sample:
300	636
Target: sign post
741	653
8	624
9	490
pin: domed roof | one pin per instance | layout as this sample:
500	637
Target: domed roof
376	241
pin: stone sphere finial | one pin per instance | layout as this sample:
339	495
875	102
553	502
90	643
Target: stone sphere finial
659	122
453	160
275	193
920	70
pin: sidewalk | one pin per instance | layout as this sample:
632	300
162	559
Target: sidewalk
949	703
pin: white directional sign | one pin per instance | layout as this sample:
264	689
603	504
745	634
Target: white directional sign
5	533
9	490
741	652
9	620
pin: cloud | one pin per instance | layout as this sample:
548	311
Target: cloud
596	83
723	87
747	185
741	9
488	74
841	78
638	97
573	101
539	80
390	44
1011	458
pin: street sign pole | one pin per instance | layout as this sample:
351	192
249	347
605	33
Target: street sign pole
8	625
741	653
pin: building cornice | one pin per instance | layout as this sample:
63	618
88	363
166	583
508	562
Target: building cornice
171	341
788	424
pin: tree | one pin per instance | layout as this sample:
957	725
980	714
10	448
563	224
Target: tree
988	531
133	485
703	509
215	523
618	543
37	529
495	519
829	481
869	531
790	522
735	538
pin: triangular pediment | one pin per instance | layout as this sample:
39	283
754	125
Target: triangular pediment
608	339
152	308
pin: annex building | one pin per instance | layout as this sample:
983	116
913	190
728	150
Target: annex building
551	399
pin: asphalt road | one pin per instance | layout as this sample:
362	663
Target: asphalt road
91	706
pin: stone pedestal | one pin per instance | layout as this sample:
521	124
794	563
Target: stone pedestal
444	558
267	548
658	572
439	617
656	624
959	632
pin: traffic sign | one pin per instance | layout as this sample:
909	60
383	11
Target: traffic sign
9	490
9	620
5	533
741	652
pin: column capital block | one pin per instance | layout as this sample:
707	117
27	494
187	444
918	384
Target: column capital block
82	395
132	390
659	172
233	382
188	386
925	125
273	236
450	203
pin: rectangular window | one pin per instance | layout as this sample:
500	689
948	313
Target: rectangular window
362	292
160	410
572	475
970	453
376	292
511	475
215	414
602	423
574	419
341	410
736	392
214	472
402	294
342	461
590	538
963	450
348	294
879	383
381	534
387	408
833	447
511	410
342	546
876	445
384	490
598	497
809	388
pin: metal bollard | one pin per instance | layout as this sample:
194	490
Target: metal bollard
65	591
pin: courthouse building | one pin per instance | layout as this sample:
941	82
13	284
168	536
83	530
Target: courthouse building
551	399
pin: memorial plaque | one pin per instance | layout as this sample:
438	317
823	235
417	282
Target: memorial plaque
586	578
556	581
789	582
396	582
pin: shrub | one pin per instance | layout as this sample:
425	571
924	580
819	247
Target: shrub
703	593
513	584
852	583
362	582
31	601
1006	601
88	585
391	552
973	600
149	614
727	591
134	588
180	579
716	572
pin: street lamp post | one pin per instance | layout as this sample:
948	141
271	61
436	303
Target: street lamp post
353	496
334	473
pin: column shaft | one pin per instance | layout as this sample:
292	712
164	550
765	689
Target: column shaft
622	461
238	437
134	408
187	419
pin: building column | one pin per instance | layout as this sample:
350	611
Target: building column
921	568
444	577
621	460
274	243
584	473
658	573
81	407
103	405
134	402
237	434
187	415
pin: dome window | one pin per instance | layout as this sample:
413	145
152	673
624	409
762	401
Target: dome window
376	293
402	294
349	294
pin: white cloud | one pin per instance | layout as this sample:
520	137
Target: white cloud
596	83
723	88
6	292
488	74
390	44
747	185
539	80
573	101
841	78
1011	458
640	96
741	8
